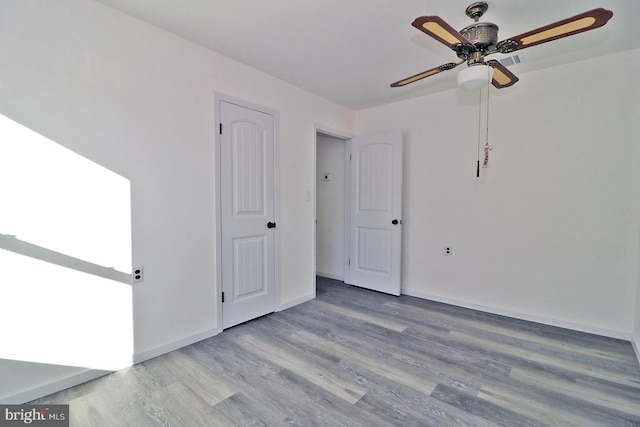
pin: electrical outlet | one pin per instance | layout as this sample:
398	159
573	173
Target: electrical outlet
138	274
447	250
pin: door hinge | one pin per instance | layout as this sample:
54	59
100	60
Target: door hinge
223	297
349	157
349	262
220	128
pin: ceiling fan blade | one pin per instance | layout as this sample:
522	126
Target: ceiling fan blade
437	28
567	27
425	74
502	77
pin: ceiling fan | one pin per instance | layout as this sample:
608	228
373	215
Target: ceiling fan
480	39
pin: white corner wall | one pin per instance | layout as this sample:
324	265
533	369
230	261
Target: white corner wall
635	340
140	102
550	230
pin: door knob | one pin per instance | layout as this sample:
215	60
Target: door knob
396	222
271	225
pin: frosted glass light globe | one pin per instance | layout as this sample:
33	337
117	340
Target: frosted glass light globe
475	77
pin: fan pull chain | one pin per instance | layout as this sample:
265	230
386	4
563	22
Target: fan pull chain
487	147
479	132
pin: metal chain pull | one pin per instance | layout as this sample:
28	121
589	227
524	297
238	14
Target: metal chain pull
487	148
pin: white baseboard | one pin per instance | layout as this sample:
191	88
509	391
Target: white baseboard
522	316
330	276
174	345
54	386
297	301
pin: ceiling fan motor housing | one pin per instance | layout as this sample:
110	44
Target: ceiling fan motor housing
483	35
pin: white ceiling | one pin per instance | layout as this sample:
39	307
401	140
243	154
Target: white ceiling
349	51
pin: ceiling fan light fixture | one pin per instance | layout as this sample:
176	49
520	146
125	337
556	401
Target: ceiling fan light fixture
475	77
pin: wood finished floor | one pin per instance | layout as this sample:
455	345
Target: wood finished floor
353	357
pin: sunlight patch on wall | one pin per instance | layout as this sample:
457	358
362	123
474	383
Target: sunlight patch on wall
57	315
59	200
65	225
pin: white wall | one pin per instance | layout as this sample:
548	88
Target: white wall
330	206
140	102
550	230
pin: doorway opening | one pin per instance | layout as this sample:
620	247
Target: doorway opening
332	180
358	233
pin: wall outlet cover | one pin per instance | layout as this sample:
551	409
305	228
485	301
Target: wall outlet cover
138	274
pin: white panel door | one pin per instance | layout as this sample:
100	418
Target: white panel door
247	213
376	212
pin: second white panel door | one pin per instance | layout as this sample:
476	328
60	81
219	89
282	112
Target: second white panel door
376	212
247	213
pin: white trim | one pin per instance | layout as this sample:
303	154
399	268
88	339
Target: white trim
217	210
522	316
54	386
330	276
276	200
219	97
326	130
314	203
636	349
347	213
174	345
297	301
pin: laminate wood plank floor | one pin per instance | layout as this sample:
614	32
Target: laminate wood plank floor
353	357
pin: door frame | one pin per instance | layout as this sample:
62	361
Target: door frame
319	128
218	288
